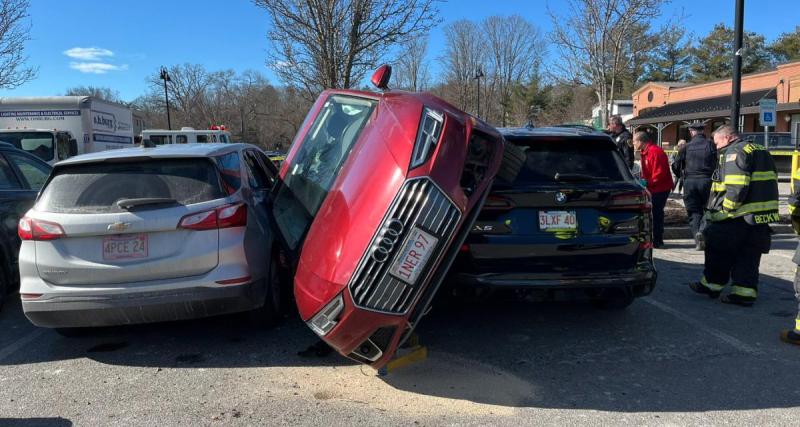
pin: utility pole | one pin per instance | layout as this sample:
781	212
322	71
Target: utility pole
165	76
478	76
736	95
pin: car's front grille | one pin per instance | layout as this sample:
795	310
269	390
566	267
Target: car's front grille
421	204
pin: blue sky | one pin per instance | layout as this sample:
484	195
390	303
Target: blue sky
130	40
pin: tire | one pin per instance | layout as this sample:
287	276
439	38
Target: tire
271	312
614	299
513	159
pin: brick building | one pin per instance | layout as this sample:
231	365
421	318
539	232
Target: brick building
667	108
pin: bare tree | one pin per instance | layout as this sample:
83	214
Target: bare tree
464	56
592	40
104	93
516	48
14	32
411	68
319	44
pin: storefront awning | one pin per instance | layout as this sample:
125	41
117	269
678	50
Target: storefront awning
700	109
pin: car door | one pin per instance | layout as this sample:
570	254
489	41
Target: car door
21	178
258	194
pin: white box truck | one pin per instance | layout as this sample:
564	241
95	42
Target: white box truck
57	127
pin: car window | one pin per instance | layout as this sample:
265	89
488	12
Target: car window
579	159
181	139
35	173
96	187
268	165
161	139
202	138
256	175
8	181
230	168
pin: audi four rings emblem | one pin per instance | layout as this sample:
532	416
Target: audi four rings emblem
561	198
389	236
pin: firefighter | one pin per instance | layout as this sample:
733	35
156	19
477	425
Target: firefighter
792	336
744	201
696	163
622	138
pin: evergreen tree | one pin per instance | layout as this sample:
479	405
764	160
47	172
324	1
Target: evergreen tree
787	47
713	56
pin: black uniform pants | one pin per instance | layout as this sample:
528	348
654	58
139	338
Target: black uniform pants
797	295
733	252
696	192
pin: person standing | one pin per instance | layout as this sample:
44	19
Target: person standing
696	163
743	202
677	167
655	170
792	336
621	136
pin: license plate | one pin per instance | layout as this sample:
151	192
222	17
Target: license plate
557	220
414	256
125	247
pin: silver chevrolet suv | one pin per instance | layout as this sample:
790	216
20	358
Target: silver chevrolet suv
151	234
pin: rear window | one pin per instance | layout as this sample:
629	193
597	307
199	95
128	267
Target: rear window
569	160
95	188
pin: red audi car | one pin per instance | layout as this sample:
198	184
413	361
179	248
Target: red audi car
375	197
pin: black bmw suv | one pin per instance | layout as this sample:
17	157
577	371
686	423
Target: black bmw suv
574	219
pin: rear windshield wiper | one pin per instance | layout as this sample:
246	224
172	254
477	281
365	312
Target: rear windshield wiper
578	177
133	203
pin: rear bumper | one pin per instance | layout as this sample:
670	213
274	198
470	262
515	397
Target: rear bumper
145	307
646	278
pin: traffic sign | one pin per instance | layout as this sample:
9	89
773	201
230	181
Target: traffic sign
766	111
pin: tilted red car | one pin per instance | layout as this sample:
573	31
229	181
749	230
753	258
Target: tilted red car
376	195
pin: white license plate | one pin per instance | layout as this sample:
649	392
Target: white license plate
125	246
414	256
557	220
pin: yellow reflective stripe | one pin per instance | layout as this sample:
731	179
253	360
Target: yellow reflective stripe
771	205
744	292
713	286
764	176
781	153
729	204
737	179
791	209
719	187
717	216
797	325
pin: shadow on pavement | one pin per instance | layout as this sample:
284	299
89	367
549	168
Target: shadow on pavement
643	359
36	422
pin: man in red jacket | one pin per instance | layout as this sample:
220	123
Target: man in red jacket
655	169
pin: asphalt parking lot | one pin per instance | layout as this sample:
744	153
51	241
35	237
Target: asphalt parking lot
671	358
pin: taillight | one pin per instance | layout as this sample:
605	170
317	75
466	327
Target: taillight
497	204
630	201
232	216
34	229
223	217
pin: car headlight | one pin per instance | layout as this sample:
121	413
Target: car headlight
326	319
430	130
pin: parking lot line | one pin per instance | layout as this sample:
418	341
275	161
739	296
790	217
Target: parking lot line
20	343
722	336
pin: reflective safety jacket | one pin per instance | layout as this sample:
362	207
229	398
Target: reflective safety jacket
744	185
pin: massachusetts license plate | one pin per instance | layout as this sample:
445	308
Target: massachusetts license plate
557	220
126	246
413	256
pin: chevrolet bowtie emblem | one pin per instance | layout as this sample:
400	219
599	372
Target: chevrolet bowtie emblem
119	226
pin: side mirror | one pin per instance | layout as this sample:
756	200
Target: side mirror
380	79
73	147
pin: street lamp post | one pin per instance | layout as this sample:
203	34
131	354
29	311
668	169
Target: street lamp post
736	94
165	76
478	76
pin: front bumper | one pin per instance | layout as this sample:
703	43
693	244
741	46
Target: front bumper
95	310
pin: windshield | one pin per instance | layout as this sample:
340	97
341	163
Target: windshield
40	144
568	160
314	168
97	187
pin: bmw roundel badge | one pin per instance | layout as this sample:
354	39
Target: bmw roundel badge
561	198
